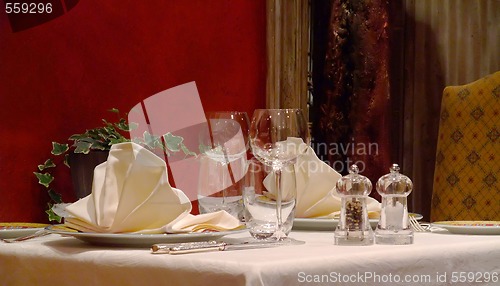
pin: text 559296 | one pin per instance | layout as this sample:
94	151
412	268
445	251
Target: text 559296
27	8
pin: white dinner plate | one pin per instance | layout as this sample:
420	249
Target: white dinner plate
18	229
329	223
138	239
469	227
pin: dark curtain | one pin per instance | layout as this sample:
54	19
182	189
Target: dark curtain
351	107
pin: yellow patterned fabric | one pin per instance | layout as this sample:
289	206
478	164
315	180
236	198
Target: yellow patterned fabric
466	177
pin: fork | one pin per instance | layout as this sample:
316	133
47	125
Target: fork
416	226
38	233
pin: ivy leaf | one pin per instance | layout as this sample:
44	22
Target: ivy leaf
186	151
82	147
204	148
106	123
52	215
108	130
122	125
56	197
94	134
66	160
44	178
116	141
172	142
132	126
152	141
48	164
75	137
97	145
58	149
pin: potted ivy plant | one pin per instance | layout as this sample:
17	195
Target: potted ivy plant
86	150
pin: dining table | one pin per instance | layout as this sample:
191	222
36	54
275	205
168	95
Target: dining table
435	258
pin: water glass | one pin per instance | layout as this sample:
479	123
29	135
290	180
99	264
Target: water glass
223	162
218	189
259	198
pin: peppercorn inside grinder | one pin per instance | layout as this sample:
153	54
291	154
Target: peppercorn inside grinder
354	227
393	226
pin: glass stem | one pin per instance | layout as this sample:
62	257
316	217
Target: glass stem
279	194
227	165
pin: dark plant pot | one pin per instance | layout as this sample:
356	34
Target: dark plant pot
82	170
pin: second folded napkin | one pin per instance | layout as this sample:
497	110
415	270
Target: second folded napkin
315	184
131	193
217	221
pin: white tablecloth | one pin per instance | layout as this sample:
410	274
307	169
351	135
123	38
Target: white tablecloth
434	259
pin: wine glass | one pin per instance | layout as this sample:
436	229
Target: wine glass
274	138
224	147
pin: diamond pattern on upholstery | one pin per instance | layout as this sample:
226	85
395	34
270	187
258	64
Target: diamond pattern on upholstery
466	177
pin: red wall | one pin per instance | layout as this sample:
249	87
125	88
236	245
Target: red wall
61	77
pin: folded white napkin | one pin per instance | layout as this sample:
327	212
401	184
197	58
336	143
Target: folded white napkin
131	193
315	184
217	221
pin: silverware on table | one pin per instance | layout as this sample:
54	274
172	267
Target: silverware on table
417	227
204	246
39	233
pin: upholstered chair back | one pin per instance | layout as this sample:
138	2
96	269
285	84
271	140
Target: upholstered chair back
467	171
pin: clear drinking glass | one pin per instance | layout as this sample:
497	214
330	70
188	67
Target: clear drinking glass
273	137
223	162
260	203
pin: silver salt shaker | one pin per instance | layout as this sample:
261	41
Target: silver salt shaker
354	227
393	226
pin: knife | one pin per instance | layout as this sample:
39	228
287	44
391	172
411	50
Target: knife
212	245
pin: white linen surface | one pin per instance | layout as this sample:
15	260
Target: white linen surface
56	260
131	193
315	183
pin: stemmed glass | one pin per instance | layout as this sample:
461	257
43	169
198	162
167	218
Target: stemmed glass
224	147
273	137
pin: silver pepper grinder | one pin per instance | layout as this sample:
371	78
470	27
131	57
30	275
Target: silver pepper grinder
354	227
393	227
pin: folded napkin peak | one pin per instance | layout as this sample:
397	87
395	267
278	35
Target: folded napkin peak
130	193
